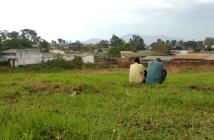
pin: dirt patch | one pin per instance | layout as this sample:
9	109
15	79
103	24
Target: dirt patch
44	88
41	86
13	97
38	87
53	134
78	89
8	84
201	88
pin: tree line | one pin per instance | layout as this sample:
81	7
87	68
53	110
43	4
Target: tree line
161	47
25	38
136	43
28	38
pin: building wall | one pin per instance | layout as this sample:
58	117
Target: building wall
88	59
28	61
85	59
68	58
47	57
19	57
28	56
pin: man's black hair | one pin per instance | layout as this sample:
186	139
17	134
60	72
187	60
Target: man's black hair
137	60
158	59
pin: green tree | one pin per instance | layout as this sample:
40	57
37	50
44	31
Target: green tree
78	46
137	42
208	42
162	47
104	43
116	41
23	39
129	47
159	47
44	45
173	43
199	46
30	35
190	44
16	44
167	48
180	45
3	36
13	35
115	51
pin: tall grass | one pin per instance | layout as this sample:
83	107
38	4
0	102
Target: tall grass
102	105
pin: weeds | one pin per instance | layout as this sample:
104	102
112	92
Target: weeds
71	105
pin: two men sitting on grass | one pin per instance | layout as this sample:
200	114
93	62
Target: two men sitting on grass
155	74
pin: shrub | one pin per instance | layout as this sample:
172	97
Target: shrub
53	65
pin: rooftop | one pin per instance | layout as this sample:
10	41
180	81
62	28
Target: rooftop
163	58
195	56
136	54
18	50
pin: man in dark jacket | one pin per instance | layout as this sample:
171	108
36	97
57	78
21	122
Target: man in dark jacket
156	72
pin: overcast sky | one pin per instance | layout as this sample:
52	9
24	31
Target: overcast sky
85	19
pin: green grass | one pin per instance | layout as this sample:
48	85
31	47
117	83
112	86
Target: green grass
102	105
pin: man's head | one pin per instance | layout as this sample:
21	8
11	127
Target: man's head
137	60
158	59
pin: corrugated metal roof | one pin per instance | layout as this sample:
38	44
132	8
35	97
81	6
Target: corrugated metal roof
16	50
140	54
195	56
210	57
163	58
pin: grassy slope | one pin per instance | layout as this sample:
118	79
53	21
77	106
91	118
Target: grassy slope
106	106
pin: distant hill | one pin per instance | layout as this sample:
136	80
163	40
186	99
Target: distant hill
92	41
150	39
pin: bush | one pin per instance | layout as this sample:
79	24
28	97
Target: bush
53	65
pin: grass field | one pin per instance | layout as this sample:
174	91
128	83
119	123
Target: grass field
102	105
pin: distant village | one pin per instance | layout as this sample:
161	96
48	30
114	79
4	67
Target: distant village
26	48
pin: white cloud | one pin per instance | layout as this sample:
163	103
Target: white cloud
205	1
83	19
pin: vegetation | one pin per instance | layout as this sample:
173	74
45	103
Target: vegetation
16	43
50	66
115	50
117	45
116	41
102	105
162	47
137	42
209	41
25	38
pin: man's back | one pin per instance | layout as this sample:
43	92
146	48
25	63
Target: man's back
154	72
136	73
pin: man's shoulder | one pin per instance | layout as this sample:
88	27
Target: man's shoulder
136	65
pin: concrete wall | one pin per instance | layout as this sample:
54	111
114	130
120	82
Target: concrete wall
88	59
19	57
85	59
47	57
68	58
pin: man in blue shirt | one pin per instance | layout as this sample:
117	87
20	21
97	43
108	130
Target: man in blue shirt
156	72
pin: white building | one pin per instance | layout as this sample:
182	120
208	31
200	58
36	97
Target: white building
86	58
180	52
57	52
68	57
17	57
